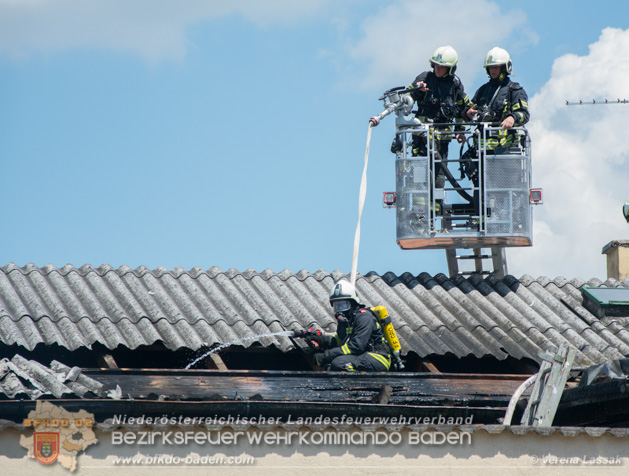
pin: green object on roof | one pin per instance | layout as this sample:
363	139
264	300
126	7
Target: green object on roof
607	296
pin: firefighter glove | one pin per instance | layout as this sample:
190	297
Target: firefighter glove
320	342
321	359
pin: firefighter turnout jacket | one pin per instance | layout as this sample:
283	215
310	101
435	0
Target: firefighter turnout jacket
502	98
359	344
444	101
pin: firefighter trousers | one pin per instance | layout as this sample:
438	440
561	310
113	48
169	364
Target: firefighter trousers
367	362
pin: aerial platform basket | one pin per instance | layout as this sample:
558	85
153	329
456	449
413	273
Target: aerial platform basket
489	207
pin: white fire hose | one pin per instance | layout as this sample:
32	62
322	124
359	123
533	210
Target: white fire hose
361	203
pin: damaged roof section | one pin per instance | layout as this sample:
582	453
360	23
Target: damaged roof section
433	315
21	377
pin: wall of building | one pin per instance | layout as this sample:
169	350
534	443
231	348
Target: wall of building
440	451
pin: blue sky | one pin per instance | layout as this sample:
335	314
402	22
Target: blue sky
164	133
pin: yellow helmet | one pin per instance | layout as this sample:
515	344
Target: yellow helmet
445	56
498	57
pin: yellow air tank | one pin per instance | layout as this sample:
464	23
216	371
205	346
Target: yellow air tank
389	334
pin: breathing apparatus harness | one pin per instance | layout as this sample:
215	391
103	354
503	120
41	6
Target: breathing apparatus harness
433	105
485	116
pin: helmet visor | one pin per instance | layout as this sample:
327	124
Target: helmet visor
341	305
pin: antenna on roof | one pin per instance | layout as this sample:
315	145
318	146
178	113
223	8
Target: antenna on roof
581	103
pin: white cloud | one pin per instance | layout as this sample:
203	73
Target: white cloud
399	41
154	29
581	159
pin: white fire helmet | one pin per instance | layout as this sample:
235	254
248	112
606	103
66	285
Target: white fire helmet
445	56
498	57
343	290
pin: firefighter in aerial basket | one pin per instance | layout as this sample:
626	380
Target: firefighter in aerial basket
500	101
441	99
359	343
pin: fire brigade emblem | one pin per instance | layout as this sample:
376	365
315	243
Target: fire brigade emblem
46	447
59	436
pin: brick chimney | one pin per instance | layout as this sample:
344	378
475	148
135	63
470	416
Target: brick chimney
617	252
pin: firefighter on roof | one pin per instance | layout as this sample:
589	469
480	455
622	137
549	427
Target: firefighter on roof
359	343
500	100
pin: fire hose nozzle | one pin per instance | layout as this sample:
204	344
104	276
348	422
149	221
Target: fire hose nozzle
312	332
375	120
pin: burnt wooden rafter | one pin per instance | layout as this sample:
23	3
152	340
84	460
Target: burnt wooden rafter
474	390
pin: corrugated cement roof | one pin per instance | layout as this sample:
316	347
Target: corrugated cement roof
76	307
